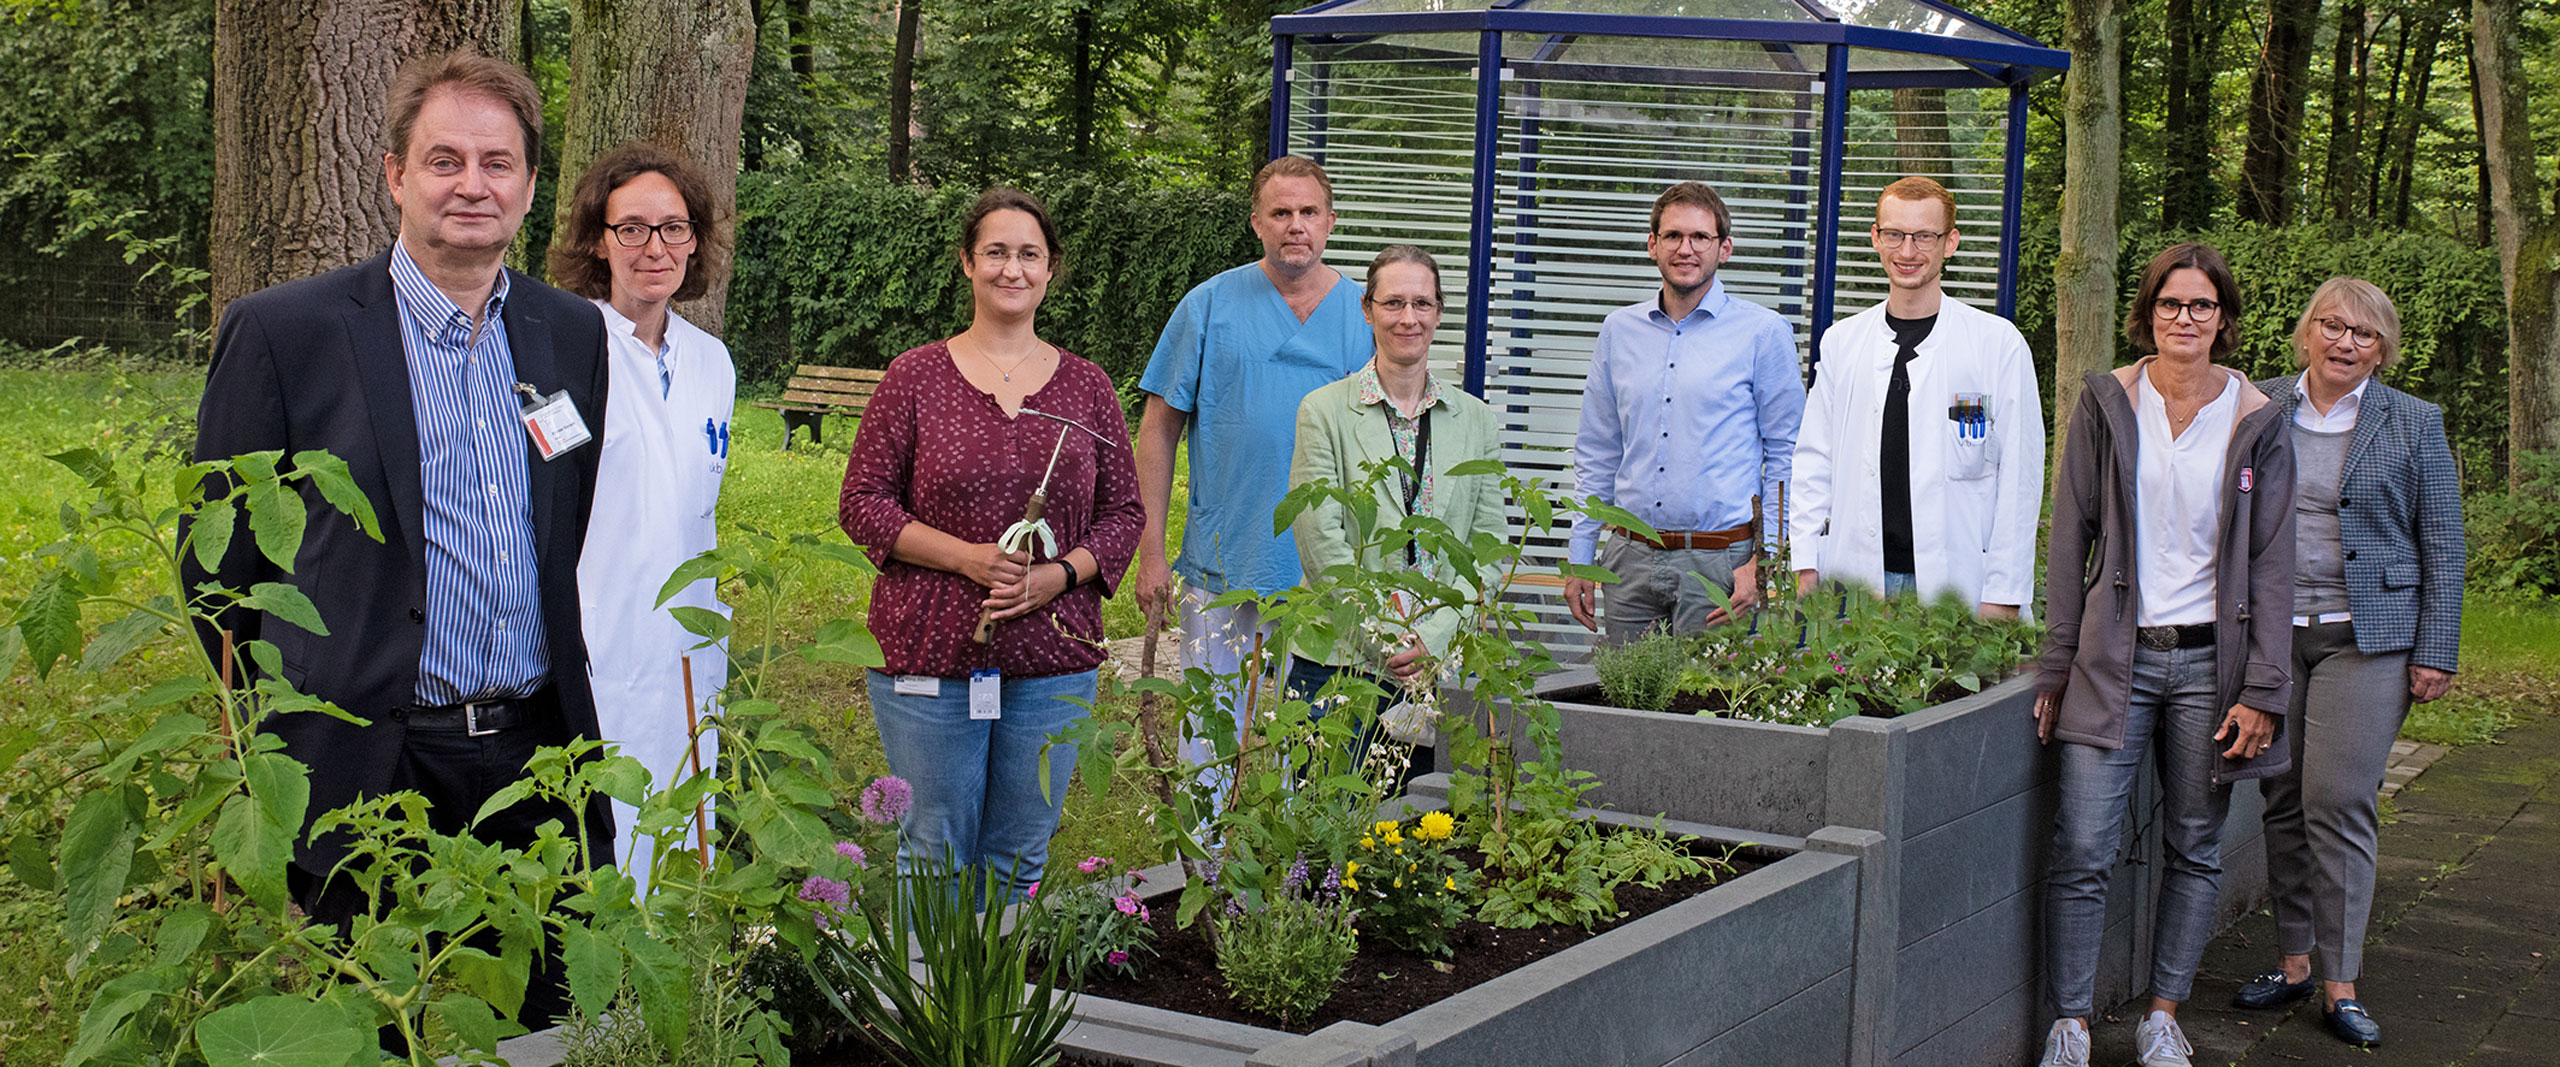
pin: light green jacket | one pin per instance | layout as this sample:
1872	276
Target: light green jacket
1337	434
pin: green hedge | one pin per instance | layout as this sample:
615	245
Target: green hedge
851	271
2453	317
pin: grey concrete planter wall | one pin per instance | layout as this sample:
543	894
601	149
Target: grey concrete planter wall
1963	797
1757	971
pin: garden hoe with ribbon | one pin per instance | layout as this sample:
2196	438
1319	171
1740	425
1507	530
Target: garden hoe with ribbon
1020	535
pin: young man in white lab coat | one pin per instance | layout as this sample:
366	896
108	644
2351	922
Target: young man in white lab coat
1920	465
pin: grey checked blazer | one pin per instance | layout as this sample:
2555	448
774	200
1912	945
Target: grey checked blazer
2400	516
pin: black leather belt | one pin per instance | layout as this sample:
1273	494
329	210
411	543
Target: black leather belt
2164	638
480	718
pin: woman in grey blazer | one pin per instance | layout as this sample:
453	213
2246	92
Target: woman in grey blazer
2377	606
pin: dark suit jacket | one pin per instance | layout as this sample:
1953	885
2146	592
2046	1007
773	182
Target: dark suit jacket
318	364
2400	518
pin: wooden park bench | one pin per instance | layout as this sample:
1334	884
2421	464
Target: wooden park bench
816	392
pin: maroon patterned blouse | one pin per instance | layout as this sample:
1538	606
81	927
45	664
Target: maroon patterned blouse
933	449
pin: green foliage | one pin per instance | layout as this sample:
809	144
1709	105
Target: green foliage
1643	673
1411	890
1284	958
1842	651
1094	920
973	997
2514	537
851	271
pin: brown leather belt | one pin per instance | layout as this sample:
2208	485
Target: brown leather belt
1676	539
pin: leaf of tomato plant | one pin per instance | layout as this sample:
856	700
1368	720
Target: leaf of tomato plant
707	565
594	965
472	1020
210	534
279	1031
49	621
277	517
658	975
91	466
118	639
114	1003
30	861
329	474
702	622
287	603
97	854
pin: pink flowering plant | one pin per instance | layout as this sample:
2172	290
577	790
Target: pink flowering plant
1092	921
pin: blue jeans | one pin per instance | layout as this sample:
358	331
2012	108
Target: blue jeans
1900	584
977	798
2172	718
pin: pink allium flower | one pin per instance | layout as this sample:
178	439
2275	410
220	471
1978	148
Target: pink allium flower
1115	957
1127	905
817	889
1091	864
885	800
851	851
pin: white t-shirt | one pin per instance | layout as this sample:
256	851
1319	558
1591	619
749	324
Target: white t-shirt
2177	497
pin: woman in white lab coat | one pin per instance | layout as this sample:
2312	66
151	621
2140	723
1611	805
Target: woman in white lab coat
642	232
1977	482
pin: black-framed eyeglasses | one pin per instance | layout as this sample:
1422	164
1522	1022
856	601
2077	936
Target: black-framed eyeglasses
1925	239
2332	329
2166	310
675	232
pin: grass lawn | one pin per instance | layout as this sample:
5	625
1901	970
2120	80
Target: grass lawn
2511	650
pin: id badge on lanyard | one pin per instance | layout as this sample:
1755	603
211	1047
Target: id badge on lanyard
552	422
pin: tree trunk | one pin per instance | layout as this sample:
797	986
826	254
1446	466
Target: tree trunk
2392	116
2482	228
2186	142
689	96
2275	111
2084	272
2413	110
1082	91
804	43
2346	113
297	126
902	92
1920	131
2528	237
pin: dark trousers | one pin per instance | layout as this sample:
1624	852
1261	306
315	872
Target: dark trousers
457	773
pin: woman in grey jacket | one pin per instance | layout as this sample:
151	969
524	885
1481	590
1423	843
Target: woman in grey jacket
2169	588
2377	624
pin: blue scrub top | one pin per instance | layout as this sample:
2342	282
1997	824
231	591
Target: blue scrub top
1237	361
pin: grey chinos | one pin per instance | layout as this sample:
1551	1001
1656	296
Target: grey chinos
1661	585
2322	823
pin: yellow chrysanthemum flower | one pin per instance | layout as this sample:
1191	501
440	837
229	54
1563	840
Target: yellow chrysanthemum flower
1450	883
1383	828
1399	883
1435	826
1352	884
1369	843
1351	868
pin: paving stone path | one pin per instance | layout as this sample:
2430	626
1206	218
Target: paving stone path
2466	924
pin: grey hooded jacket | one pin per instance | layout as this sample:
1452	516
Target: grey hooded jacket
2091	597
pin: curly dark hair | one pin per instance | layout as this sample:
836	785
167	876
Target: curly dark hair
573	262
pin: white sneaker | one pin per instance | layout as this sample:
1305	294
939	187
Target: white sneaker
2161	1042
2066	1045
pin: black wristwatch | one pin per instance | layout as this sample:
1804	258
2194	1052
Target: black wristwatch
1072	578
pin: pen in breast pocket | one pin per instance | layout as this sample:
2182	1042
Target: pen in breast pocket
711	430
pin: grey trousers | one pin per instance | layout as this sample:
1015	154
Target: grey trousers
2321	819
1660	586
2172	719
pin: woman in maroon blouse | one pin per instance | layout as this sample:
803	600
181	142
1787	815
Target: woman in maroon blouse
958	436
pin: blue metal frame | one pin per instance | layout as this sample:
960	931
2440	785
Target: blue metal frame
1826	249
2015	177
1480	210
1280	64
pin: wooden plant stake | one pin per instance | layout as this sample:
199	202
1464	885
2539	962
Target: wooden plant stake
693	752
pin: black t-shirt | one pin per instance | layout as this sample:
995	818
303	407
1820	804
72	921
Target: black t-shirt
1893	465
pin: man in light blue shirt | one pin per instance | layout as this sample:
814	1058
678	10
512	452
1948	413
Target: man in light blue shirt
1238	354
1690	411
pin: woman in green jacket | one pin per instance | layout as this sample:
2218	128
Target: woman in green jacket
1393	408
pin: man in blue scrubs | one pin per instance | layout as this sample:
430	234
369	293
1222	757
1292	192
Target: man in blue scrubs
1236	357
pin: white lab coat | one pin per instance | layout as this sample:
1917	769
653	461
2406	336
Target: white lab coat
1974	501
657	487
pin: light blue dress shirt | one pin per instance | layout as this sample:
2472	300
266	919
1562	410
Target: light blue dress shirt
1236	359
484	611
1682	422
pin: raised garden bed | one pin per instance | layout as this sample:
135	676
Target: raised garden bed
1963	797
1757	969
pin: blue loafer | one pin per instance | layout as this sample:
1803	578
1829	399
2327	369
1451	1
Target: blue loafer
2270	990
2348	1020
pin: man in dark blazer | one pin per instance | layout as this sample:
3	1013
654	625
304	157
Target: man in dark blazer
456	636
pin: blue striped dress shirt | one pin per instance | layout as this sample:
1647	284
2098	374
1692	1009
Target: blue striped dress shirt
1683	422
484	612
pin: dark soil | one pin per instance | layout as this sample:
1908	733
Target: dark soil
1383	983
1701	704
